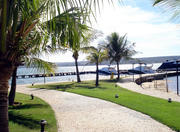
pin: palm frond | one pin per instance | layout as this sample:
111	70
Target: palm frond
171	6
40	64
118	47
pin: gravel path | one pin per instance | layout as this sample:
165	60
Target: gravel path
76	113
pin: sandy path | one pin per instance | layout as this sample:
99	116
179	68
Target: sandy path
76	113
149	89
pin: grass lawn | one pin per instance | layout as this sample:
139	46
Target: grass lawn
26	117
159	109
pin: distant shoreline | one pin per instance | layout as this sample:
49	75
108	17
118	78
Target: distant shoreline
148	60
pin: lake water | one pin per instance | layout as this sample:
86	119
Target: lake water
172	83
27	71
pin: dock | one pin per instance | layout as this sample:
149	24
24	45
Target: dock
53	75
157	76
61	74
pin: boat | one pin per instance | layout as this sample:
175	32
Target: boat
169	66
108	70
142	70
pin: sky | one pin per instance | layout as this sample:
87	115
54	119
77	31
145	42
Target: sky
150	28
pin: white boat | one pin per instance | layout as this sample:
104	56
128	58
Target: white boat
142	70
108	70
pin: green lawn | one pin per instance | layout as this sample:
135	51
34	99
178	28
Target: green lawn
26	117
159	109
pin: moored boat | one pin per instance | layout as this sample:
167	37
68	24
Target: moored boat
169	66
142	70
108	70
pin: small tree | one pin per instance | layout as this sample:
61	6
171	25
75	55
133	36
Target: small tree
97	55
119	47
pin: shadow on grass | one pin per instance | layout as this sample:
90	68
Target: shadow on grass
72	85
27	106
92	86
24	120
112	81
61	87
86	86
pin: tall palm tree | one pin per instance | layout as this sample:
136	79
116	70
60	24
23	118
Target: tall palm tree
19	19
118	48
78	34
78	42
97	55
81	46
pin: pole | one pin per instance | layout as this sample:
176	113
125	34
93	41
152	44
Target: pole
133	70
166	82
140	74
177	78
44	77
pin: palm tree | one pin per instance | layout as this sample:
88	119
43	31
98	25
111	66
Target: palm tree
97	55
81	46
78	42
19	20
76	56
78	35
37	63
118	48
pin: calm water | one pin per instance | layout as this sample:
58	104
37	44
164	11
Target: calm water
172	83
28	71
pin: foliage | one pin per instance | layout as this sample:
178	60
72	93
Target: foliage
40	64
96	55
159	109
22	29
20	18
172	6
26	117
119	47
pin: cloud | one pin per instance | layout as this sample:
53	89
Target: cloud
153	34
144	25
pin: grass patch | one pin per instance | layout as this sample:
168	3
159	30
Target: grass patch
27	116
159	109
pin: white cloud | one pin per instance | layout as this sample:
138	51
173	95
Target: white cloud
152	33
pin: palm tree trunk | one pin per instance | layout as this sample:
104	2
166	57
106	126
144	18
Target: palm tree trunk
118	70
77	71
13	87
5	74
97	74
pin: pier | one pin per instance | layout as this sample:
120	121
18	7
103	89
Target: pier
157	76
60	74
53	75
